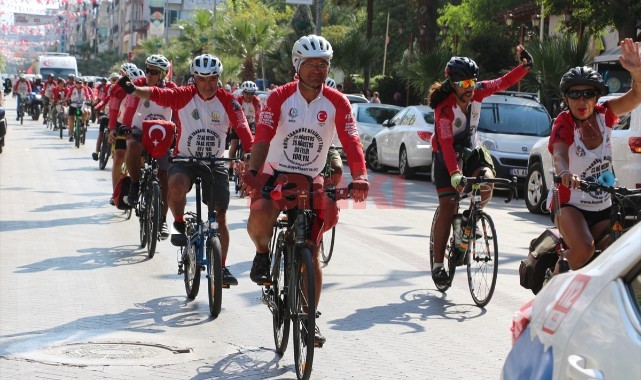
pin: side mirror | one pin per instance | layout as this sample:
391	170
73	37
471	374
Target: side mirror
387	124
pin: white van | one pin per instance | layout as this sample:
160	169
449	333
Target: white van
58	64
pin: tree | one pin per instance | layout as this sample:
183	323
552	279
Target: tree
595	15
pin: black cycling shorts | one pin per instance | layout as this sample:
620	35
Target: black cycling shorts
591	217
221	181
480	157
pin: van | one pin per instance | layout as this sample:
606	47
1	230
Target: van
58	64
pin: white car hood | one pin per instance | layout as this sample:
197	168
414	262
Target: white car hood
510	143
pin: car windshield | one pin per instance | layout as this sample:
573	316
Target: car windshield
428	117
375	115
514	119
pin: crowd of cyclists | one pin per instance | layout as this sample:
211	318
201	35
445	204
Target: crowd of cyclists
291	132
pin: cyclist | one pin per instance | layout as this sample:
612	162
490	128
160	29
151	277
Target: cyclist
334	161
101	95
251	108
203	114
71	81
58	98
311	112
22	88
77	96
47	94
457	106
581	147
136	111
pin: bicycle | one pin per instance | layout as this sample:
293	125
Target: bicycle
149	207
202	249
105	146
290	294
478	245
79	128
22	108
61	117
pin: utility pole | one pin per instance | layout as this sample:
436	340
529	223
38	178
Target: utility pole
319	16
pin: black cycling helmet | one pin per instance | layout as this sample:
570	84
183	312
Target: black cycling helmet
582	76
461	68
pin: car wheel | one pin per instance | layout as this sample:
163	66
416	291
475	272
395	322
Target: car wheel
404	166
535	191
371	158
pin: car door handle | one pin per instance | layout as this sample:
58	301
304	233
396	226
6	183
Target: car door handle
577	368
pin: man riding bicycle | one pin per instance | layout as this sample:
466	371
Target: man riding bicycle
22	88
203	112
457	108
308	112
251	108
47	96
136	111
78	96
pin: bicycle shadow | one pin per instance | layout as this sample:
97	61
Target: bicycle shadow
417	305
151	317
251	363
19	225
95	258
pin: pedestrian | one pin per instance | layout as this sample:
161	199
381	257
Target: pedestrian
375	98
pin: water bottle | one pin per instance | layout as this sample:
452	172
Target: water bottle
456	225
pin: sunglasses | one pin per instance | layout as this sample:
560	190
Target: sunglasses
586	94
468	83
320	66
152	71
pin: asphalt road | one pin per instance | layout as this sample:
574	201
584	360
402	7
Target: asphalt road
79	298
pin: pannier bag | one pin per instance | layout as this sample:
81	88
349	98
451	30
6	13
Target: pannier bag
121	191
542	255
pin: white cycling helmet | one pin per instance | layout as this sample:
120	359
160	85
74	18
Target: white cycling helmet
206	66
134	73
159	61
114	75
311	46
329	82
128	66
249	86
38	76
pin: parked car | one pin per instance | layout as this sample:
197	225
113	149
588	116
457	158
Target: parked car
356	98
369	118
510	124
584	324
626	159
404	143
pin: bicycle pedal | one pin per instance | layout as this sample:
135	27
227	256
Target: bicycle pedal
225	286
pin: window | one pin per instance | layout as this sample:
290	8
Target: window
172	16
375	115
409	118
514	119
428	117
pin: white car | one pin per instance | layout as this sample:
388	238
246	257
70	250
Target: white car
369	118
584	324
626	159
405	142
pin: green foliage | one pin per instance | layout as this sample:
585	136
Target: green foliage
421	70
101	65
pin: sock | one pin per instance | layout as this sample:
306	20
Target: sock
437	266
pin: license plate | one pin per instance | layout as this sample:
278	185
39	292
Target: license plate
519	172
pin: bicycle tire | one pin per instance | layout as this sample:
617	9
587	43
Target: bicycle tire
449	265
143	216
128	214
191	269
214	275
61	123
83	133
153	218
327	245
280	277
76	132
482	260
303	311
105	151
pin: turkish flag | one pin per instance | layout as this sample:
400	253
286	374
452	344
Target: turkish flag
157	136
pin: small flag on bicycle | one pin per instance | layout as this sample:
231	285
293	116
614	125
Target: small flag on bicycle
157	136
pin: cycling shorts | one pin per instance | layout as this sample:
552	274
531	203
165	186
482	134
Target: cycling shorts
334	162
73	110
591	217
232	134
221	181
480	157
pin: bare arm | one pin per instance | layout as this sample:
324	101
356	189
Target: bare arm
562	164
631	61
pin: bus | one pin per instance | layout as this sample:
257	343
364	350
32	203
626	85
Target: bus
58	64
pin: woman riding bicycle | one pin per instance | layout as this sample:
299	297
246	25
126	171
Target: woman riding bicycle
457	107
581	147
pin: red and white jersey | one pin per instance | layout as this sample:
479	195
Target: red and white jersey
583	161
138	110
202	124
452	120
300	133
48	88
22	87
78	95
252	109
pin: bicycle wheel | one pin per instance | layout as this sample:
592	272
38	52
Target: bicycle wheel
105	151
482	260
76	132
449	262
61	122
83	133
153	218
303	311
214	275
191	269
280	277
327	245
142	211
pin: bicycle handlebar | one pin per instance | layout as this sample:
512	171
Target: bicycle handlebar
481	179
276	192
589	184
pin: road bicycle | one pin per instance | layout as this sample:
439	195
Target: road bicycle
475	244
79	128
291	294
105	145
61	117
202	250
149	207
22	108
49	120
